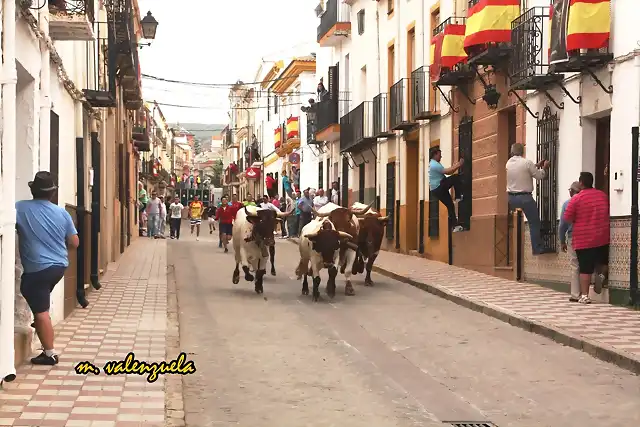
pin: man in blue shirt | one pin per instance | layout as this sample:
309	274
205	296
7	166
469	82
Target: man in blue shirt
305	206
45	233
440	184
564	231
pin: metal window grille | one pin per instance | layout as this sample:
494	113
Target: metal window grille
361	175
465	139
391	199
547	189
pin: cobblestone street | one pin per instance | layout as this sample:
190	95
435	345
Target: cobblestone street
393	355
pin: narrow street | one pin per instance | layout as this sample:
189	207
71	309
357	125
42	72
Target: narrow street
390	356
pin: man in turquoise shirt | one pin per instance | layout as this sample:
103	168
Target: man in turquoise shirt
440	184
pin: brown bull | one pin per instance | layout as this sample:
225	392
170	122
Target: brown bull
369	243
345	220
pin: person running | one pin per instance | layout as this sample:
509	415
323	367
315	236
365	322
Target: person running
225	196
176	209
196	208
226	213
211	217
45	234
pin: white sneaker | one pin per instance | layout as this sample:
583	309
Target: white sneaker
197	239
458	228
584	299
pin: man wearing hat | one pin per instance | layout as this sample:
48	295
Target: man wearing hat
45	233
565	237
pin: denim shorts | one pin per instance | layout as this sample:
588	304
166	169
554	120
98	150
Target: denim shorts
36	287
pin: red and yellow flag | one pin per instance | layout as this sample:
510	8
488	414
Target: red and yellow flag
489	21
277	137
436	54
292	128
452	51
589	24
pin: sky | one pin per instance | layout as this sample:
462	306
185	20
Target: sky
218	41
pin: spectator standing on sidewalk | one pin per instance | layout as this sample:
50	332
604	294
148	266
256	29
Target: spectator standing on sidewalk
175	221
565	230
320	200
286	183
588	211
335	193
520	175
306	210
294	220
440	184
270	183
45	233
162	218
153	212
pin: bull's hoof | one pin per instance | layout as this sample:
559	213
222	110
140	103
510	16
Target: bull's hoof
342	269
331	290
248	277
316	296
305	291
259	289
368	282
349	291
273	271
236	279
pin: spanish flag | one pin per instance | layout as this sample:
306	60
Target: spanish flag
489	21
277	137
292	128
589	24
452	51
436	55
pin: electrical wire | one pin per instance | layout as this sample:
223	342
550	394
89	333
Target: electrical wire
203	107
239	83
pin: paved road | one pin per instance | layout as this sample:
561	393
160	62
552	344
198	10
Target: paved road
390	356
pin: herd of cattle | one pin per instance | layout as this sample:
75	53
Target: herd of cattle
338	238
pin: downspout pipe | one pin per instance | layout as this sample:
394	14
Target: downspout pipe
81	209
45	95
378	151
96	187
399	138
7	284
635	130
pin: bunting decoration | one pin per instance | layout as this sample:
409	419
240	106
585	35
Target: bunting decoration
293	128
589	24
489	21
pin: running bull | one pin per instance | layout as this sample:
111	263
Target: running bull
369	241
345	220
319	245
252	236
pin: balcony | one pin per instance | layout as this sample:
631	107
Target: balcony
529	65
381	117
100	84
328	113
71	20
449	67
356	128
141	138
400	103
335	24
126	57
422	104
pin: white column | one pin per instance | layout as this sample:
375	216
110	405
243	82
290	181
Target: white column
8	213
45	95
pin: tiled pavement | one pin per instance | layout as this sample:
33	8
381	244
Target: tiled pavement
128	314
608	332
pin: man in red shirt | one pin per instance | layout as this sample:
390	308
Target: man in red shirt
226	213
588	211
271	184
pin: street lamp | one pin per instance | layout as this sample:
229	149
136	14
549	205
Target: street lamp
149	26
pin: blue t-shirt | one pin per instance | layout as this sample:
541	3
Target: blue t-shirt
43	228
286	183
436	174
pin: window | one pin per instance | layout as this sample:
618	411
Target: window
389	7
547	189
361	177
465	140
361	22
275	104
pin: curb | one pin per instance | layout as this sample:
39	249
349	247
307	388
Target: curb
596	349
173	398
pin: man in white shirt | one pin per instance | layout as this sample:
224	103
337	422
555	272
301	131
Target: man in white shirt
520	175
176	218
163	218
335	193
266	204
320	199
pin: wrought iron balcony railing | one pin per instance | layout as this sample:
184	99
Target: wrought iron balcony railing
381	116
100	86
356	127
336	12
529	64
329	111
422	106
400	102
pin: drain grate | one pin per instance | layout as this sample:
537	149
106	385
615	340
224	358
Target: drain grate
470	424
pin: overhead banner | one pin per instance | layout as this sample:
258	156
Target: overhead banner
489	21
559	14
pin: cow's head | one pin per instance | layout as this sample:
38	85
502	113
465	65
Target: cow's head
372	232
264	223
327	241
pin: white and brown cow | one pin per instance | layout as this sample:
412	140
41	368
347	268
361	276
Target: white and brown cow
319	246
252	236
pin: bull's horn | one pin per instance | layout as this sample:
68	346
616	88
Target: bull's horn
345	235
383	218
318	214
362	211
310	235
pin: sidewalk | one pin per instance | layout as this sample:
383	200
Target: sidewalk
128	314
608	332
